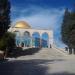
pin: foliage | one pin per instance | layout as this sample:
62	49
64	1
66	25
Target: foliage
4	16
68	29
64	27
8	41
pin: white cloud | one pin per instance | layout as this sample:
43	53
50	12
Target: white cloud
44	18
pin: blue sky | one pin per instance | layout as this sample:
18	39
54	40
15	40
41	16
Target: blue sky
46	14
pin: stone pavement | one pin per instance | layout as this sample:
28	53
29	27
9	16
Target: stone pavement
44	62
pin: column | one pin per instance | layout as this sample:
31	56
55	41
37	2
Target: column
40	43
20	38
31	42
24	43
40	40
20	44
49	41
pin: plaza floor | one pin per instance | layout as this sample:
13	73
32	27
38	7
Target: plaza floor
44	62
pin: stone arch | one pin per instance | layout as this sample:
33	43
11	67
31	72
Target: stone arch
17	33
45	39
26	39
36	39
27	33
18	41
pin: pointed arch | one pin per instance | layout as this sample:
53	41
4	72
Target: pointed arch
17	33
45	39
26	39
36	39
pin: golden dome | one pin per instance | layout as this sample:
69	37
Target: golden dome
22	24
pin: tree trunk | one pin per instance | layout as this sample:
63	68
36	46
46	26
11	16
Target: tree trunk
70	50
74	50
6	53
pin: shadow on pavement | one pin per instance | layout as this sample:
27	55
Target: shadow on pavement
28	67
20	52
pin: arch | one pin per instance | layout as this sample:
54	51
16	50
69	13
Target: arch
36	39
26	33
26	39
45	39
17	33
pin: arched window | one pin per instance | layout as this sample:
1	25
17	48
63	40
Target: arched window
17	38
27	39
45	39
36	39
26	34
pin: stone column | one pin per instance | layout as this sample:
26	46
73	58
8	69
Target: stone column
40	40
21	35
24	44
31	39
49	42
20	44
31	42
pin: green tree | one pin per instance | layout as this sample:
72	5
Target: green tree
68	29
72	30
4	16
7	42
64	27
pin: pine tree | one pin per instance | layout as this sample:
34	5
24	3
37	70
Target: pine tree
4	16
68	30
64	27
72	30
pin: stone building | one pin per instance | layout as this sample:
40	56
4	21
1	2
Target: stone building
26	36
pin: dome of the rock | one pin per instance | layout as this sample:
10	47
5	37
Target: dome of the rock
22	24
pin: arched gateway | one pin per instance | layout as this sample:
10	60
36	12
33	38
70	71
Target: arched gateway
29	37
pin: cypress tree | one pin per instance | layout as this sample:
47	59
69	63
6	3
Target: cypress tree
4	16
64	27
68	30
